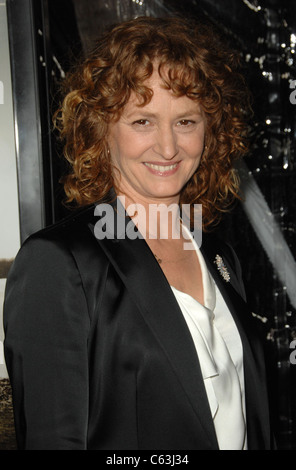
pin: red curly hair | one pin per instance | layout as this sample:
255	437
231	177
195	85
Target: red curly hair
197	64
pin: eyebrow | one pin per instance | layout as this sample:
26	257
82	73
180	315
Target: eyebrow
143	112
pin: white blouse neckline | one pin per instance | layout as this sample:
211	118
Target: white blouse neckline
216	308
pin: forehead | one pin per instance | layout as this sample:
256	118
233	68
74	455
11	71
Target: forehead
161	95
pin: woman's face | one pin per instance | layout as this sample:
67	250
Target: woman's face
157	147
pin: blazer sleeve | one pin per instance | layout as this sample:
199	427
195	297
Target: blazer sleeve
46	323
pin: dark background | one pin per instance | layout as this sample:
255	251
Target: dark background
261	227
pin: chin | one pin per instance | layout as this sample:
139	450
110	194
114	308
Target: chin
165	195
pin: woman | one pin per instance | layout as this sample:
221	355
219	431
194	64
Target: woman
118	337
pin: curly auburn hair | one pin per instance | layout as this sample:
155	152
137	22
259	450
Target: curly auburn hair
196	64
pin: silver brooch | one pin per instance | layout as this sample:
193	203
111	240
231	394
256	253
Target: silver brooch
222	268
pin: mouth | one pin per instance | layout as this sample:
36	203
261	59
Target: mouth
162	169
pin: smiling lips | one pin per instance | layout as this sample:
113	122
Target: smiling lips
162	169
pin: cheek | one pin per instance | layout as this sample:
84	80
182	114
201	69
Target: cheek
195	163
194	154
195	149
127	146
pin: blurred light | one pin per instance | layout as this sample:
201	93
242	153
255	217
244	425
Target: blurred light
267	75
251	6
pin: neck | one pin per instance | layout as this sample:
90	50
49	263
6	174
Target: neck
155	219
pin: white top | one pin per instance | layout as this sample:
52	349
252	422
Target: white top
216	308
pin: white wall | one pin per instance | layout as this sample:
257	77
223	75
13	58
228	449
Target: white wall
9	214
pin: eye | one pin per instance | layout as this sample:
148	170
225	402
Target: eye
141	122
185	122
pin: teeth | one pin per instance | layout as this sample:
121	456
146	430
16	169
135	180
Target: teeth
161	168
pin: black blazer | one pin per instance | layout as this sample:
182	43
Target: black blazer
99	354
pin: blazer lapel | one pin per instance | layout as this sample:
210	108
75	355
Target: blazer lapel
254	370
143	277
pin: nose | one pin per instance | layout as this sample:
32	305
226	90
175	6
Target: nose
166	144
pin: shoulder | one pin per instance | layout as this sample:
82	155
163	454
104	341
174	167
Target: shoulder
71	230
213	244
61	261
58	247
